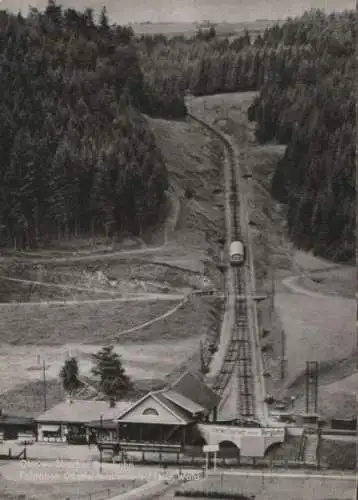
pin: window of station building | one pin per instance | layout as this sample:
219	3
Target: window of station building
150	411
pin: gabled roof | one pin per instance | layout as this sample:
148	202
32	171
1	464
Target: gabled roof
182	416
192	386
183	402
82	411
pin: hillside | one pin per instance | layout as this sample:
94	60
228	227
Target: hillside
76	155
304	70
78	158
164	11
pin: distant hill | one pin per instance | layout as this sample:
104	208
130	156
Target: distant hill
125	11
189	29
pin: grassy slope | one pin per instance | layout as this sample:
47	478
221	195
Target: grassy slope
192	160
86	323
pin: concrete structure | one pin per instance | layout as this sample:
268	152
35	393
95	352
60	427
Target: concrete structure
251	442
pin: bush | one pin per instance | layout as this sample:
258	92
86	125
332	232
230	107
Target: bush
212	494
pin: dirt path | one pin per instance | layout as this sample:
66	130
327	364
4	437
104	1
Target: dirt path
293	287
169	225
137	298
155	320
319	325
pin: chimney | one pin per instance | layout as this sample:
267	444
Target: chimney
112	403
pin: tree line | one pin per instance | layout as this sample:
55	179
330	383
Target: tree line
76	154
304	71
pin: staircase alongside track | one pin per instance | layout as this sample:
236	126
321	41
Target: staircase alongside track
310	449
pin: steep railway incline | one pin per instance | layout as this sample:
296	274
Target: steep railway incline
239	354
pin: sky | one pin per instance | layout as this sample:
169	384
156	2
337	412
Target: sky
125	11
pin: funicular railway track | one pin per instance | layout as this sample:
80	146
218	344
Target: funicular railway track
238	356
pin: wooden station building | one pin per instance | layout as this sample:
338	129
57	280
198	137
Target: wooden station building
161	420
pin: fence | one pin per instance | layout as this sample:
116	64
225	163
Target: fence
9	455
94	495
198	460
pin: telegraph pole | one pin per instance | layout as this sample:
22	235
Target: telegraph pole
355	497
272	289
202	360
101	445
44	382
283	355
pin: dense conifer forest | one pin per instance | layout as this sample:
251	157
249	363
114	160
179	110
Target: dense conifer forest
304	71
77	156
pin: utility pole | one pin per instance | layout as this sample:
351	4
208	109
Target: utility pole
101	443
202	359
357	334
355	496
44	382
283	355
272	289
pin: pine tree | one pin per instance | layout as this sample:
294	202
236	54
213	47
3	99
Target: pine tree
69	375
108	369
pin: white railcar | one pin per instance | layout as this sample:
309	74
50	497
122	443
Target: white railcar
237	253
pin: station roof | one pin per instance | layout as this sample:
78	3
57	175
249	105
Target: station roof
192	386
183	402
162	411
82	411
15	420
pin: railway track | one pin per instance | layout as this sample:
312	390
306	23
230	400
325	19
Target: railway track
238	358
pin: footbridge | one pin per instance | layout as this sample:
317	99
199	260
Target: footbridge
251	441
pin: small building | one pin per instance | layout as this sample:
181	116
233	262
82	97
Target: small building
160	418
13	427
68	421
164	419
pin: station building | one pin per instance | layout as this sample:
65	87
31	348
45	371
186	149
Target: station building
164	419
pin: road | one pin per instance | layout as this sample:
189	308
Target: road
136	298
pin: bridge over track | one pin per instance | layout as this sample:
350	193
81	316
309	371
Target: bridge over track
252	442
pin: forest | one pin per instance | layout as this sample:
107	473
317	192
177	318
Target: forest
77	155
304	72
